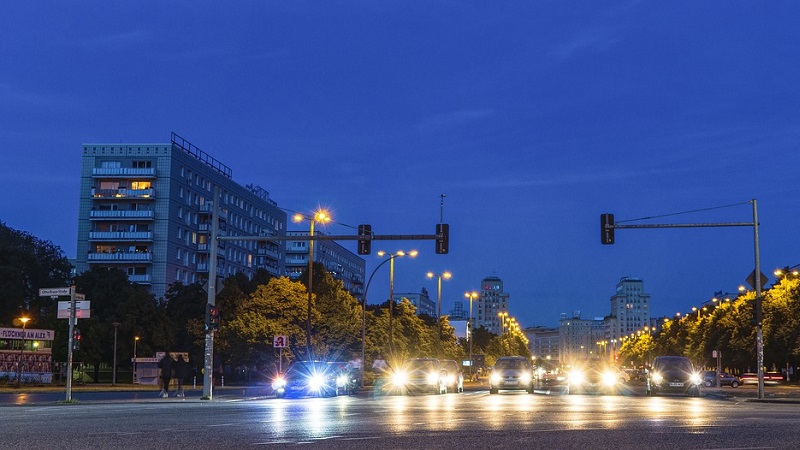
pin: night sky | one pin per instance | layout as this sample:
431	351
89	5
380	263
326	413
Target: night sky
533	117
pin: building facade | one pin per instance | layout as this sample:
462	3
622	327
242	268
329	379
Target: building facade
341	263
580	338
422	301
630	308
147	208
543	342
490	303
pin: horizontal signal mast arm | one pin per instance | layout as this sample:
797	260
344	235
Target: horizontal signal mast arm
321	237
687	225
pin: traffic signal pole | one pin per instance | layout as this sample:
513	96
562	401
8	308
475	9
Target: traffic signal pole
208	363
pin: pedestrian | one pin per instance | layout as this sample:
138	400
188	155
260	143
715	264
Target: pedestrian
181	371
166	365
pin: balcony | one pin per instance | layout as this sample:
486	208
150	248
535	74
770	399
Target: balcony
202	267
120	214
136	194
208	209
141	279
120	257
202	248
120	235
124	172
267	253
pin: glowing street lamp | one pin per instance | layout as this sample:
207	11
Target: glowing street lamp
446	276
320	216
471	296
135	341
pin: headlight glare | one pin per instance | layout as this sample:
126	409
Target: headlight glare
316	382
657	378
609	378
399	378
696	378
432	378
525	378
496	378
577	377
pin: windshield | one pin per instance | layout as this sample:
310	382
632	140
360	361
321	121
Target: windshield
304	368
420	365
511	364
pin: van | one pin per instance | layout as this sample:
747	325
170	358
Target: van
673	374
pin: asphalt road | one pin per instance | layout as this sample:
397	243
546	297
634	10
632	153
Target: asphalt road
474	419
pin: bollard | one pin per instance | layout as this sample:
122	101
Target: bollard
194	382
222	381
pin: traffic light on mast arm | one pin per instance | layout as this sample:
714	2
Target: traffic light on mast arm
212	317
365	245
442	238
606	229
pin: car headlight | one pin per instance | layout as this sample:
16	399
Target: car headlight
432	378
451	379
525	378
399	378
577	377
279	383
657	378
609	378
341	381
316	382
495	378
696	378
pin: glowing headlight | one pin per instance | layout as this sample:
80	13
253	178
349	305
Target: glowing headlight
341	380
525	378
577	377
316	382
496	378
451	379
432	378
657	378
696	378
278	383
399	378
609	378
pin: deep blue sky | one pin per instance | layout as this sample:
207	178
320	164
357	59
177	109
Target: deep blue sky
533	117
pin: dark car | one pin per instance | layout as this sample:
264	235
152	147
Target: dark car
420	375
673	374
595	376
725	379
511	372
309	379
455	376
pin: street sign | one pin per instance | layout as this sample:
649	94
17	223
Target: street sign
54	292
751	280
280	341
80	296
82	310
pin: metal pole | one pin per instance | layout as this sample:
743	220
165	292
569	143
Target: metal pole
471	338
70	341
759	326
364	322
208	379
114	369
133	376
310	283
391	305
439	301
21	350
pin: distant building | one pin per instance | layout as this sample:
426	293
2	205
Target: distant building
458	313
421	300
543	342
491	301
630	309
146	209
340	262
579	338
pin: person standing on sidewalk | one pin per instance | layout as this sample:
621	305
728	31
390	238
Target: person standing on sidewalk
166	365
181	372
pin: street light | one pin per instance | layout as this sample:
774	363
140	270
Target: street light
321	216
24	321
502	315
446	276
471	296
135	340
392	256
114	369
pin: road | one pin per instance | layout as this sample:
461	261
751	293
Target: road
474	419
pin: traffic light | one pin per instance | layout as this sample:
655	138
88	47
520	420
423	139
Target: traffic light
212	317
442	238
76	339
606	228
365	245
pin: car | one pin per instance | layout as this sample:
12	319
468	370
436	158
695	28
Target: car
673	374
420	375
310	379
595	376
455	376
725	379
511	373
769	378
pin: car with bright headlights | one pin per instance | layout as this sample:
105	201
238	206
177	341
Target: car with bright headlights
511	373
673	374
420	375
455	376
595	377
310	379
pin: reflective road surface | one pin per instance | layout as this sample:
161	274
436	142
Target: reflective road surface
512	420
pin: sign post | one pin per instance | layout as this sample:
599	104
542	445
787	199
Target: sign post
280	342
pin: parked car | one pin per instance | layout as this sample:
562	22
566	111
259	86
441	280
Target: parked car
309	379
511	372
725	379
673	374
420	375
595	376
455	376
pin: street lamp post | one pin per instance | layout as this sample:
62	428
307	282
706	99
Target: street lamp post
446	276
24	321
392	256
114	368
135	341
471	296
322	217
